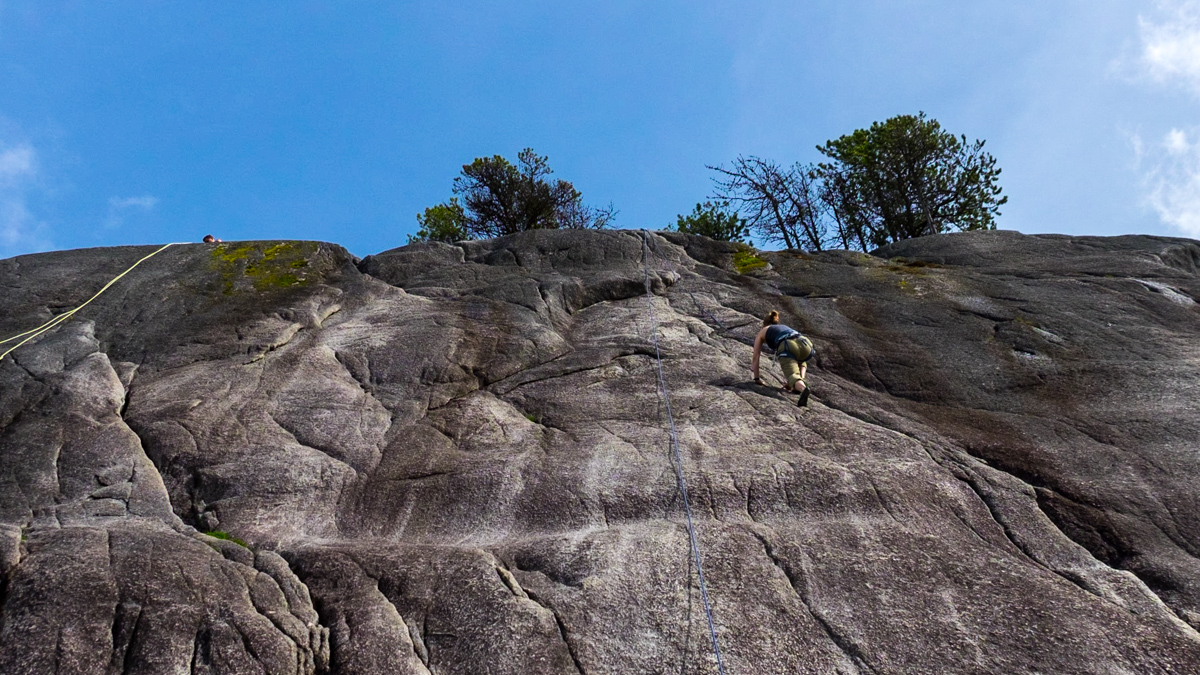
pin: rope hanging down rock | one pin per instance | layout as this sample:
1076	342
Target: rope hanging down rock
66	316
680	479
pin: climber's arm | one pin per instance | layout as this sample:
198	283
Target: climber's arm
758	342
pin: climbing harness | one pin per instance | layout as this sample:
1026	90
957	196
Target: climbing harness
680	479
802	344
66	316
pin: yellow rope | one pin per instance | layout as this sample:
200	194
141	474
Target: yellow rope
65	316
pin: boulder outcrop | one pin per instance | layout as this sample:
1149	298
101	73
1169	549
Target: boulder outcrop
271	457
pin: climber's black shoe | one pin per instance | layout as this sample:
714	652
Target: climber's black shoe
803	402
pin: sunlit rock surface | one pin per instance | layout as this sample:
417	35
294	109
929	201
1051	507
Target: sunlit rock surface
455	459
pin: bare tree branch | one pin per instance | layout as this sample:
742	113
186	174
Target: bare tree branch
781	205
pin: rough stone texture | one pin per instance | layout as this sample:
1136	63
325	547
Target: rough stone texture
454	459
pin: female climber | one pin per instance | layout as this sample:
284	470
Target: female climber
792	350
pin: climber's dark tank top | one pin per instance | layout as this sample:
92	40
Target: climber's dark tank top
777	333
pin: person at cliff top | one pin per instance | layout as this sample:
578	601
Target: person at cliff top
209	239
792	351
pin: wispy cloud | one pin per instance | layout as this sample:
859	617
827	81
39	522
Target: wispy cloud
145	201
1171	175
119	206
20	231
16	164
1170	44
1169	56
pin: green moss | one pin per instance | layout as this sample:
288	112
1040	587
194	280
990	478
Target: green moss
229	253
278	250
217	534
744	261
265	267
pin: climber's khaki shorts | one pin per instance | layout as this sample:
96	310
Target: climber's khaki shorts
791	370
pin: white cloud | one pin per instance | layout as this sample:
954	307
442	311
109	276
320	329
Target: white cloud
1139	148
117	206
16	164
1171	44
1170	169
20	231
1172	178
1176	142
146	202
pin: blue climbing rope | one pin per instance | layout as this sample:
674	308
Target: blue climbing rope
680	479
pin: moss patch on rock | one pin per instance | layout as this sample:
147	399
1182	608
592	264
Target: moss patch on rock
745	261
217	534
265	265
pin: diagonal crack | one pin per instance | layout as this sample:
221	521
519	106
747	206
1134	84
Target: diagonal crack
562	630
973	481
328	451
799	587
515	380
364	380
327	610
958	465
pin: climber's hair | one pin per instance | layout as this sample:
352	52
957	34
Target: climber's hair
772	317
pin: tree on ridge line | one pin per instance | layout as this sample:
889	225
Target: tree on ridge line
500	198
901	178
714	220
776	202
907	177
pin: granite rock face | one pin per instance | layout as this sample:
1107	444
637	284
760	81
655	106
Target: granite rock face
269	457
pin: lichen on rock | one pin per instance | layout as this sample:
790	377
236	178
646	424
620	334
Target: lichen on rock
266	265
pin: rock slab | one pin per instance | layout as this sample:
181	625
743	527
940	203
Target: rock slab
270	457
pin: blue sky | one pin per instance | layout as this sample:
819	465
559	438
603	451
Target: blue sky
154	121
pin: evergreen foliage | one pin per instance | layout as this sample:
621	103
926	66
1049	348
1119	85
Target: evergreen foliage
907	177
501	198
442	222
714	220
